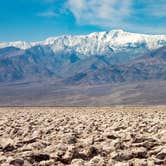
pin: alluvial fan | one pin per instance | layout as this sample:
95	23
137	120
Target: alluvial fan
105	136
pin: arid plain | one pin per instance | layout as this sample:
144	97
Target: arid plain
83	136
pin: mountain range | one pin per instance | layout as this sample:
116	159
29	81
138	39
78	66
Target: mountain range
98	60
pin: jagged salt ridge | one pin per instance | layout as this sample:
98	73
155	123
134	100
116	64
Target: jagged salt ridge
96	43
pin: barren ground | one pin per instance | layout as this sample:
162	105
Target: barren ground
83	136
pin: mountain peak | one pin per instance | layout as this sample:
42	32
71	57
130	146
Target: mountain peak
117	31
96	43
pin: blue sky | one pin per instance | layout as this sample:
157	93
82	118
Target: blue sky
32	20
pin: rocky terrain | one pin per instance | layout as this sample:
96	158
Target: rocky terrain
103	136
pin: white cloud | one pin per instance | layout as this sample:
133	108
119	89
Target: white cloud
118	14
103	12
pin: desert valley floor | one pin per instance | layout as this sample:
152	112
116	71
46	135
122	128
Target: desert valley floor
83	136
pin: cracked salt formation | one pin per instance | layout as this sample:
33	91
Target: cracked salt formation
113	136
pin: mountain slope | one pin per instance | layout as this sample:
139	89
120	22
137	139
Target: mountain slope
50	94
42	63
150	66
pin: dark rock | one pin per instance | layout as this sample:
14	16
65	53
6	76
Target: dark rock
161	155
17	162
39	157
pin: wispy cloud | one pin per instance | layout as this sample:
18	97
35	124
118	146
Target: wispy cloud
153	8
49	13
49	1
125	14
53	8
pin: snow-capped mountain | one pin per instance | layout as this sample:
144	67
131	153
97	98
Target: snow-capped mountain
84	67
100	57
98	43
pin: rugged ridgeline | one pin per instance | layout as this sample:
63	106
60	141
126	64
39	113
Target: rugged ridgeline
97	59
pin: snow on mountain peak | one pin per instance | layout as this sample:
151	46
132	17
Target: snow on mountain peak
17	44
96	43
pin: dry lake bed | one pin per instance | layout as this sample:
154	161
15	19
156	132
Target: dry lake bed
83	136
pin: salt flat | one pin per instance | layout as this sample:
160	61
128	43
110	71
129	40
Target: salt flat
83	136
